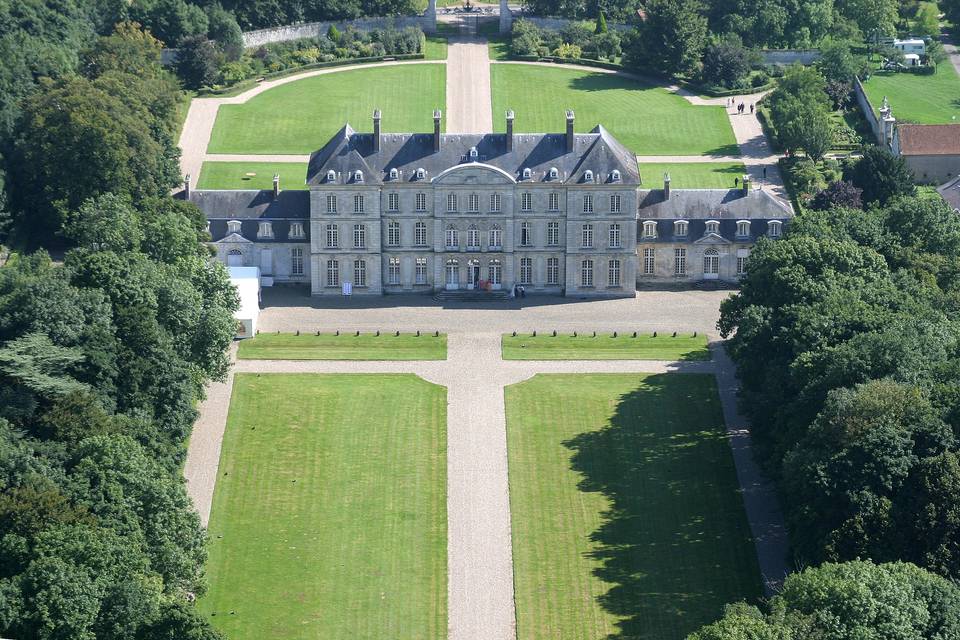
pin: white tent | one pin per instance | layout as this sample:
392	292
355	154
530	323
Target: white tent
247	282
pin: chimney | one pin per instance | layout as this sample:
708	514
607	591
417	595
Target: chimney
666	186
510	130
376	131
436	130
276	185
746	184
186	187
570	118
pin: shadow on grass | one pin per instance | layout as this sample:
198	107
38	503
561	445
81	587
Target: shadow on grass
661	543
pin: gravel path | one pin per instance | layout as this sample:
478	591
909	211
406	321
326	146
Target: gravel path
468	86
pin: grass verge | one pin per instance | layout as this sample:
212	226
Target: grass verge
234	175
605	347
327	346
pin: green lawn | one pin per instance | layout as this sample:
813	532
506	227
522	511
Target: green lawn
435	47
233	175
499	47
933	99
545	346
329	517
366	346
299	117
692	175
627	518
648	119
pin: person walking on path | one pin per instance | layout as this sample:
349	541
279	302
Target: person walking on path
751	109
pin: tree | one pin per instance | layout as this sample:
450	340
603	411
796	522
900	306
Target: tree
225	31
672	38
876	18
105	223
927	513
880	175
129	50
726	62
839	193
197	62
170	20
601	23
926	21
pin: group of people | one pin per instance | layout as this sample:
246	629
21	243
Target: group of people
519	291
741	107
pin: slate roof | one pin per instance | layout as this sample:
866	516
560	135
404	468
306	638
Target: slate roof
696	230
249	227
240	204
929	139
349	151
712	204
950	191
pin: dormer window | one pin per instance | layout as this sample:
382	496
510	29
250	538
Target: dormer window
474	154
680	228
394	174
588	176
615	176
265	230
743	228
331	176
774	228
527	173
554	173
421	174
713	226
358	176
650	229
296	230
233	226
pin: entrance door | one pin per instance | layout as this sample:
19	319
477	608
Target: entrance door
453	275
474	274
495	274
235	258
711	265
266	262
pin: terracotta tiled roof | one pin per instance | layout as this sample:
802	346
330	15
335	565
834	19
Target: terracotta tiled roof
929	139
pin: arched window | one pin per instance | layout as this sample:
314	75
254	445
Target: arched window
713	226
680	228
331	176
743	228
233	226
358	176
650	229
474	153
394	174
588	176
421	173
554	173
615	175
774	228
235	258
527	174
711	263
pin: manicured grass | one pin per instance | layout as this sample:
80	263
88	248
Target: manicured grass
499	47
692	175
300	117
329	517
627	518
366	346
233	175
933	99
435	48
648	119
545	346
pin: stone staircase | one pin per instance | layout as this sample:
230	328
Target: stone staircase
476	295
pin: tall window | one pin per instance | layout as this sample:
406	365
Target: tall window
526	270
613	273
420	275
358	203
265	230
496	237
333	236
680	262
420	233
333	273
473	203
554	204
713	226
586	273
451	202
393	234
526	236
648	262
649	229
296	230
360	236
494	203
680	228
453	239
743	229
296	261
586	236
359	273
393	271
553	271
473	238
553	233
774	228
393	202
421	202
741	265
233	226
588	203
615	203
614	236
526	202
331	203
711	263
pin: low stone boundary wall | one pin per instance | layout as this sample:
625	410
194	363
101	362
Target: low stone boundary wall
790	56
315	29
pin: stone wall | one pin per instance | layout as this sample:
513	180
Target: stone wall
790	56
867	109
427	22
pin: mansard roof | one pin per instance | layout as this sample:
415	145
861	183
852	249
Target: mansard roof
238	205
349	151
718	204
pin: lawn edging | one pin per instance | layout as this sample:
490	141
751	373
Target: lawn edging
656	345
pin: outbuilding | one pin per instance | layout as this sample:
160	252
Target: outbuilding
247	282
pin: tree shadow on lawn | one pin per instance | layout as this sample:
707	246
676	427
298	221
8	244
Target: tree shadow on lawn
658	544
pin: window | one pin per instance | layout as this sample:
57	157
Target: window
496	237
451	202
553	233
331	204
233	226
615	203
331	175
359	273
713	226
741	265
586	236
650	229
265	230
586	273
648	262
296	230
494	203
588	176
554	173
358	176
473	238
394	174
743	228
614	236
421	173
333	273
527	174
296	261
680	262
393	271
526	236
615	175
421	202
526	202
360	236
393	234
613	273
453	241
554	201
420	275
333	236
680	228
588	203
420	233
774	228
553	271
393	202
711	263
358	203
473	203
526	270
